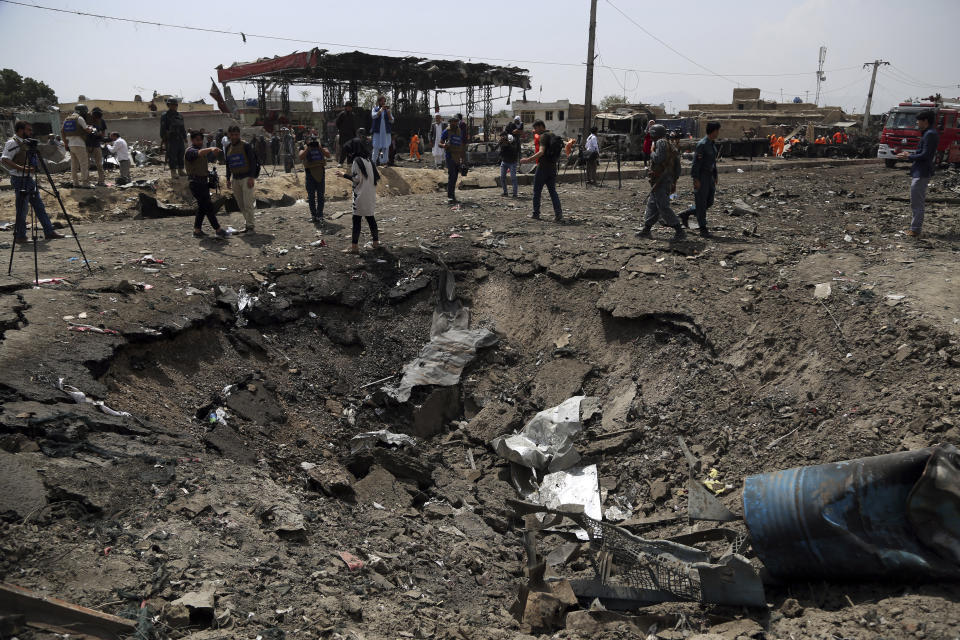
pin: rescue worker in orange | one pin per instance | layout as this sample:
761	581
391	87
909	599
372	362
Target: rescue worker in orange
773	144
415	147
780	144
837	138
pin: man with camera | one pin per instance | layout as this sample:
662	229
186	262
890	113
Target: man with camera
380	129
314	161
197	162
75	130
173	136
243	168
454	144
20	159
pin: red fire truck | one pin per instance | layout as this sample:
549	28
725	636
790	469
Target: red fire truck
900	132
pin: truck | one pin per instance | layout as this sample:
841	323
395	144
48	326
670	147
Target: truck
624	127
900	131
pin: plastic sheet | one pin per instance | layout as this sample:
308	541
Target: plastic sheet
546	441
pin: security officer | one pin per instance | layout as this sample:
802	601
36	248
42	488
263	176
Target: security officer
243	168
74	131
95	142
197	161
173	135
664	171
314	160
704	174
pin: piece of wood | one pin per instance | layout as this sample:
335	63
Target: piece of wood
53	611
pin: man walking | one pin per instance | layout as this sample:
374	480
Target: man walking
314	160
592	155
196	160
664	171
551	146
346	129
704	174
453	142
75	130
120	149
382	121
15	160
436	130
173	135
922	169
243	168
287	149
414	147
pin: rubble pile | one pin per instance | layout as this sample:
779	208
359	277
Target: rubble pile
495	427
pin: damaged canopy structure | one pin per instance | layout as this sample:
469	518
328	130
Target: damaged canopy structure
406	80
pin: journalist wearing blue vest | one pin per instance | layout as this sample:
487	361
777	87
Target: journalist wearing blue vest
243	168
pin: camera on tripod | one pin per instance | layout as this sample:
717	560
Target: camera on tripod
31	143
213	180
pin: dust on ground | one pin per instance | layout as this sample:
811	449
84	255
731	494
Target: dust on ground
719	341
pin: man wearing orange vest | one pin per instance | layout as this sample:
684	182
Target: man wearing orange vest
780	144
837	137
415	147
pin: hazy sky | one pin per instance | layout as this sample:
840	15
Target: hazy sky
754	43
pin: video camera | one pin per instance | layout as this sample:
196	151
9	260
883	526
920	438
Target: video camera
213	180
30	143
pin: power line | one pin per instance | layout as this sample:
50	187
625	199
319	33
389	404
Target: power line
920	82
685	57
244	34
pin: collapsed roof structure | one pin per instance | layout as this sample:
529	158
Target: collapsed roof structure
406	80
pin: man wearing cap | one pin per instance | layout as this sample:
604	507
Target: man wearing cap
173	136
664	171
75	130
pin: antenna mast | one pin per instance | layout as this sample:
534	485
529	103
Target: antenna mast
821	76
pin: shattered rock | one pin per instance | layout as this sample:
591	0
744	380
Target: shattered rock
333	479
21	489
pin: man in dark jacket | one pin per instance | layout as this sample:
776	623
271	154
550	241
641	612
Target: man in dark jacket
704	174
346	129
922	169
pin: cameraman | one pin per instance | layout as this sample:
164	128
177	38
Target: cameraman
313	158
14	159
196	159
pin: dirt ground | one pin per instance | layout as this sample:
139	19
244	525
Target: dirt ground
719	341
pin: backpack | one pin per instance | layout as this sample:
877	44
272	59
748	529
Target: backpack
554	147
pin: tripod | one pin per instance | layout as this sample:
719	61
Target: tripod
24	197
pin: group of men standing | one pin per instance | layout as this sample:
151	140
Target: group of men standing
85	135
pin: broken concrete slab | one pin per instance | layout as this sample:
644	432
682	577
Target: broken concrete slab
333	479
558	380
200	604
256	403
495	419
21	488
616	409
381	487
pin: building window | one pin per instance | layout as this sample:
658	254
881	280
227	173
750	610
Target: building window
560	115
527	117
548	115
740	106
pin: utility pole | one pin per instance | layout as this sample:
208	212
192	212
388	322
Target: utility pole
873	80
588	93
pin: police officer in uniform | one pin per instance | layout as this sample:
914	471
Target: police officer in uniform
197	162
314	160
664	171
173	135
704	174
74	131
243	168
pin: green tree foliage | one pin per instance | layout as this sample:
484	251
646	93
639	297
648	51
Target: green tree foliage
608	102
17	91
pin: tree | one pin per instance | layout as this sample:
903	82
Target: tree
367	98
608	102
17	91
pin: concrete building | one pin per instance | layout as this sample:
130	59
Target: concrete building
561	117
749	113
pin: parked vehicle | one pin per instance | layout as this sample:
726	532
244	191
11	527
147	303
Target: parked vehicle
900	132
482	153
